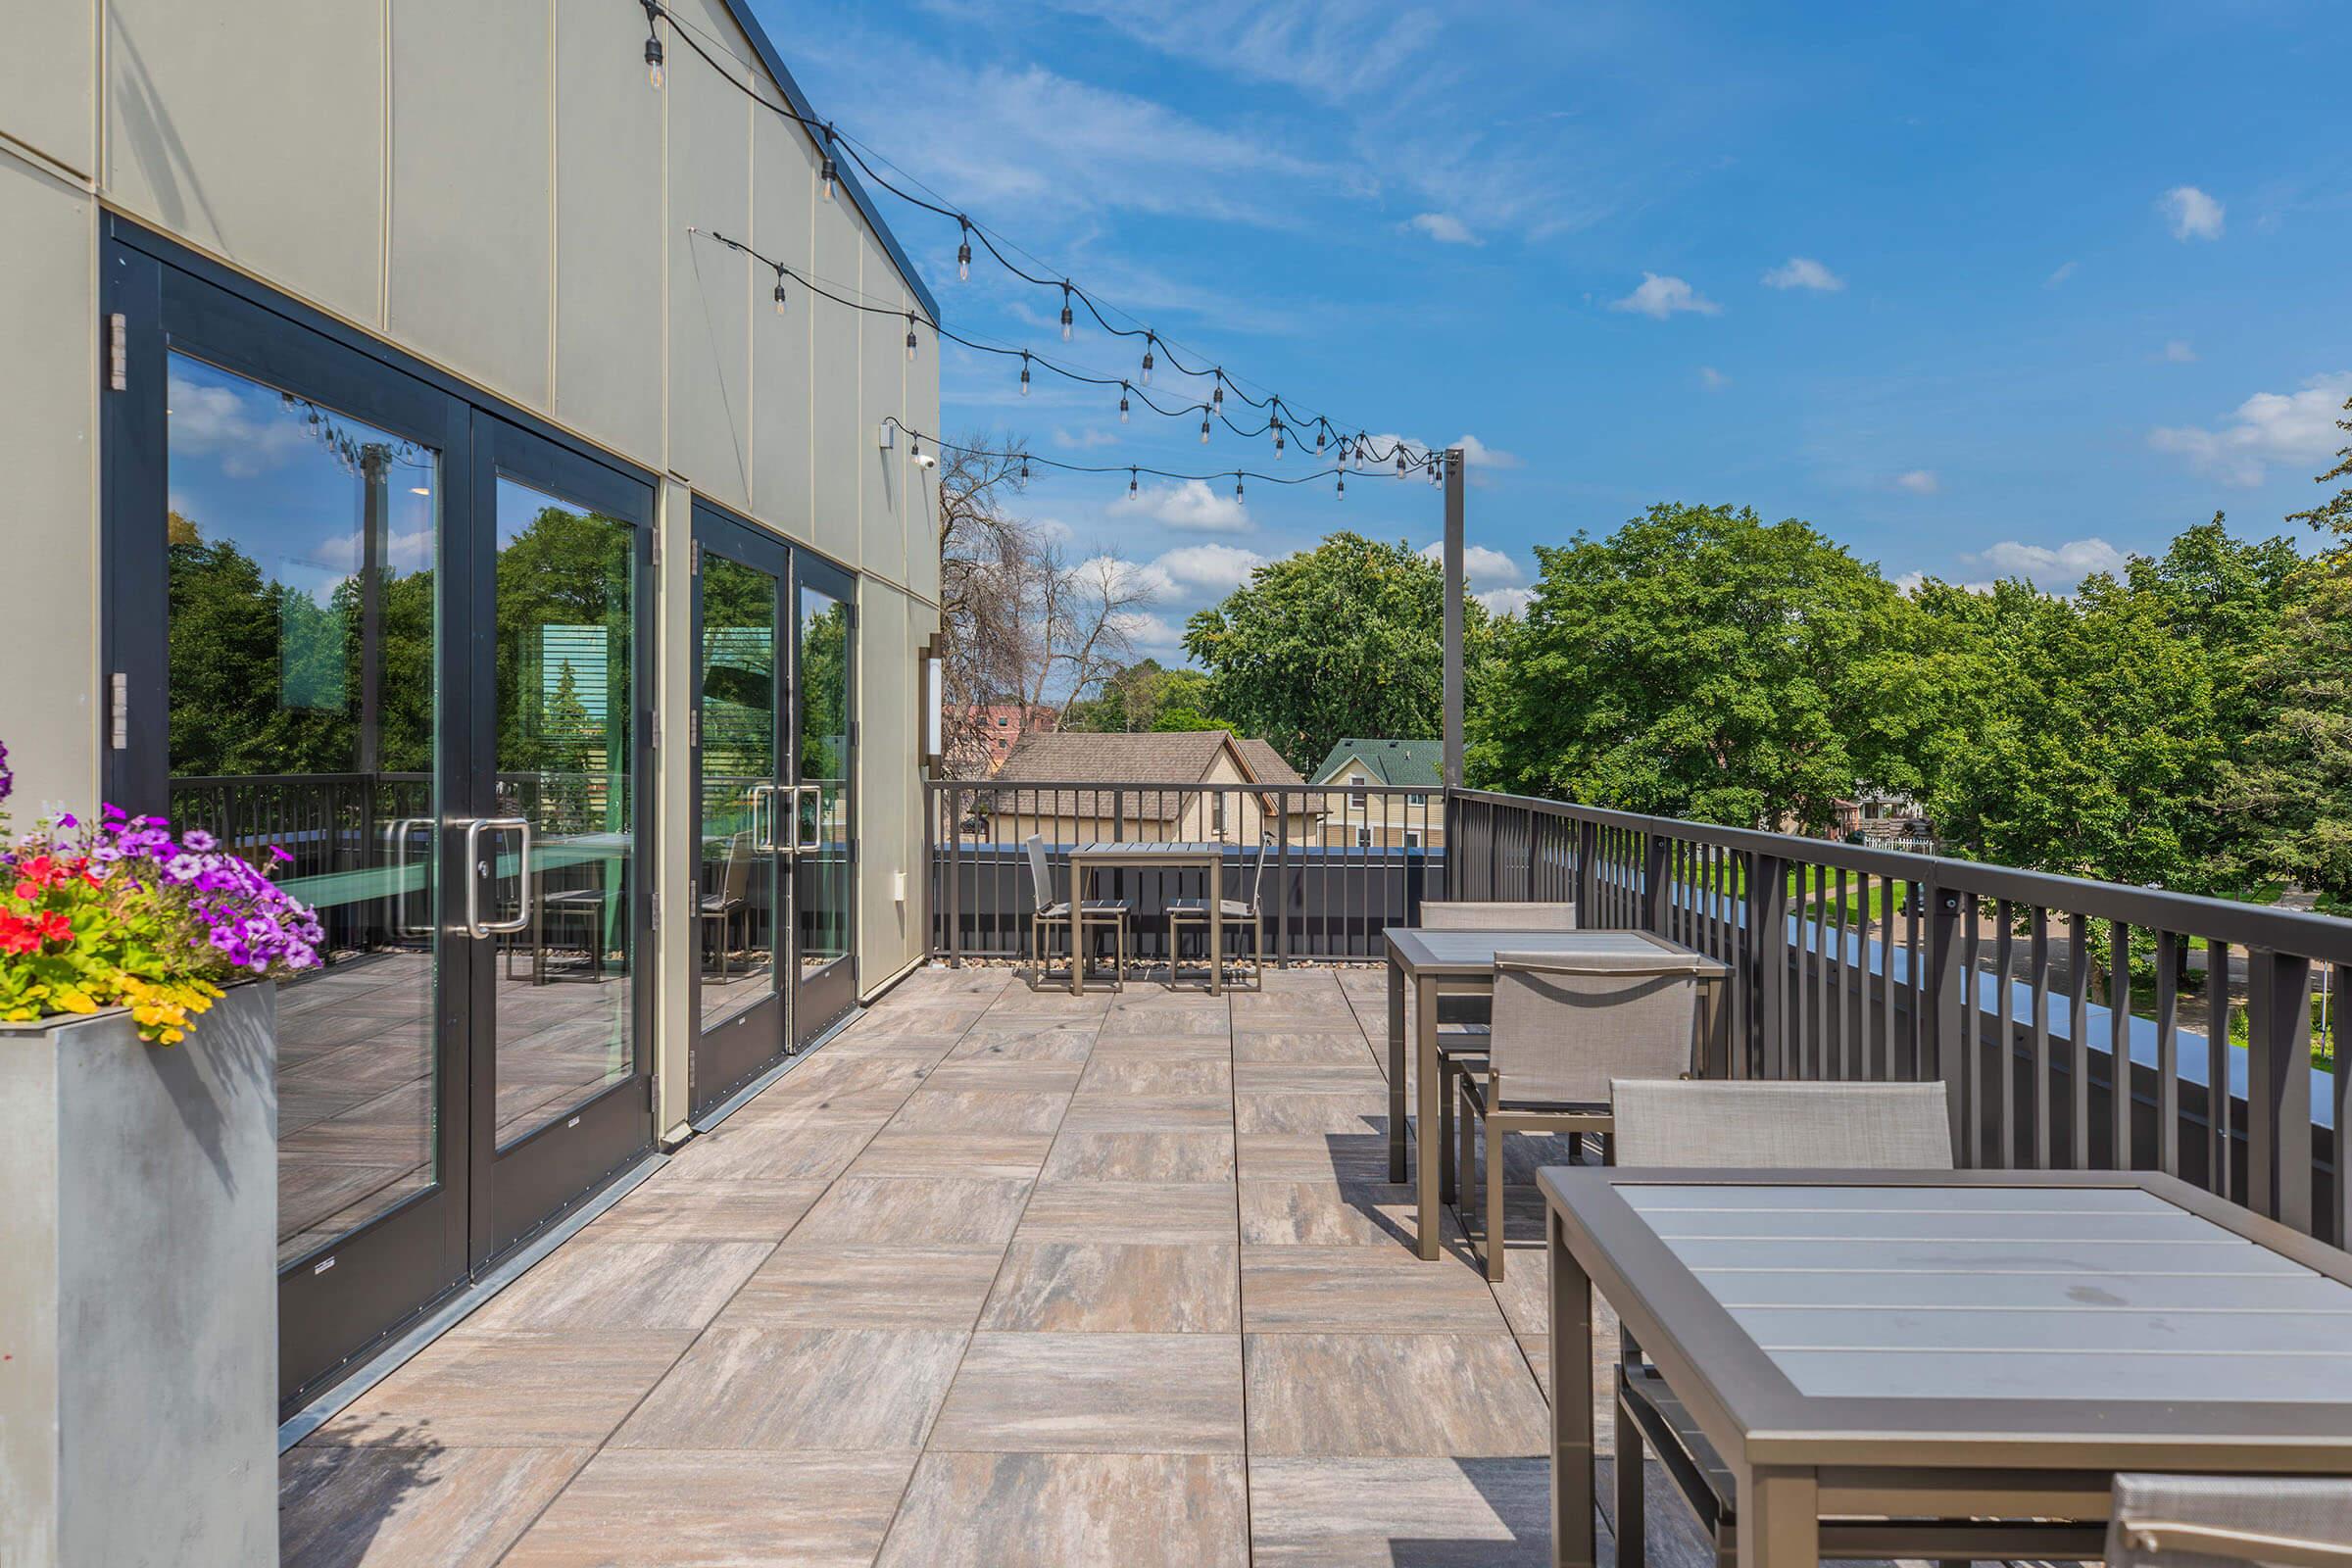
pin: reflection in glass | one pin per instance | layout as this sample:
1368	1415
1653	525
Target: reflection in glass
565	640
822	873
301	664
742	811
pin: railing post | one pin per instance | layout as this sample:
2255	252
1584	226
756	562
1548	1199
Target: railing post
954	816
930	799
1768	933
1450	819
1282	882
1654	884
2279	1088
1588	873
1940	997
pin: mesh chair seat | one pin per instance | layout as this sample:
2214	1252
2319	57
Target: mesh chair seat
2196	1521
1197	908
1091	910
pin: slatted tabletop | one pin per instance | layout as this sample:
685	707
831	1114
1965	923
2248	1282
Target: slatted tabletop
1423	952
1126	852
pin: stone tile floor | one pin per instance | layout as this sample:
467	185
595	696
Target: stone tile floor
995	1278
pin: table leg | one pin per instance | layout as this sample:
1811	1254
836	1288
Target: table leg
1425	1095
1395	1070
1077	925
1573	1542
1216	925
1779	1519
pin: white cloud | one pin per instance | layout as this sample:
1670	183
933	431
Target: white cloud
247	432
2192	214
1212	567
1910	582
1919	482
2049	567
1444	228
1084	440
2294	427
1188	504
1803	272
1478	455
2066	269
1506	601
1660	297
1712	379
1482	568
2178	351
1052	530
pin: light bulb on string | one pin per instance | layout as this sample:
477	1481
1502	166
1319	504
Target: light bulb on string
1131	490
1024	468
1321	427
1277	440
963	253
1150	340
1216	398
1122	403
910	337
653	44
780	291
1066	318
1024	372
826	172
1204	424
1237	486
1343	491
1399	451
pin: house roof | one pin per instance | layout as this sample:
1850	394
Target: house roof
1082	757
1388	761
741	12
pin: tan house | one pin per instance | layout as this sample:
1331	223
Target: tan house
1071	787
1390	796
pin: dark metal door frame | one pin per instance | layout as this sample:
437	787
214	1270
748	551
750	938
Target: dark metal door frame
821	1000
748	1042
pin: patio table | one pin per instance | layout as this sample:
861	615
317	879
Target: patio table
1453	963
1969	1345
1176	856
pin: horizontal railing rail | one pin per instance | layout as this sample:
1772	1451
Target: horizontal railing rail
1341	863
2020	989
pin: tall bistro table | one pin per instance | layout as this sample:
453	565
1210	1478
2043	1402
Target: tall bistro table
1950	1344
1148	856
1461	963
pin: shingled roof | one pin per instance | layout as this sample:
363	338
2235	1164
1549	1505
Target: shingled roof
1407	762
1082	757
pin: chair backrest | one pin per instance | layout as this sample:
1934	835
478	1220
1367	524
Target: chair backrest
736	881
2195	1521
1041	873
1774	1126
1565	1026
1257	878
1468	916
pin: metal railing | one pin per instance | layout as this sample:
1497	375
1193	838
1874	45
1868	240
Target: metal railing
1342	863
2020	989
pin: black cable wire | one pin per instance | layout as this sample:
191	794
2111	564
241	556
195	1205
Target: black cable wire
1365	449
1153	339
1129	469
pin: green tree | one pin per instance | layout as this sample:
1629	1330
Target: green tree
1146	697
1699	662
1344	639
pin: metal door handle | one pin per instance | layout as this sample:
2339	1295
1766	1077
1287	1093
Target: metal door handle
476	926
764	844
397	833
816	819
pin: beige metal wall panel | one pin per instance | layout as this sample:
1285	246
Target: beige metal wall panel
49	708
923	522
881	395
783	190
257	130
467	278
838	445
677	854
49	81
891	840
709	158
609	232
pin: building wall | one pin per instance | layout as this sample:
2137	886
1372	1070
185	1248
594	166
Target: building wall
498	190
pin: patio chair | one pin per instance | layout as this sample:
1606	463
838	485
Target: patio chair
1564	1027
2195	1521
1077	914
1462	1021
731	900
1771	1126
1194	912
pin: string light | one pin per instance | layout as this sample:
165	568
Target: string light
1024	468
1130	488
1148	342
1343	490
963	253
779	291
1204	424
910	337
1066	318
1021	458
1216	399
1236	487
1025	393
1322	426
1122	403
653	44
1278	440
826	172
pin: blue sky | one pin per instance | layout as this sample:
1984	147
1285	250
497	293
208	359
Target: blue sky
1978	291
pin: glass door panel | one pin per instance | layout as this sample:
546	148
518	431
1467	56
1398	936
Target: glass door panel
825	823
739	785
559	843
300	656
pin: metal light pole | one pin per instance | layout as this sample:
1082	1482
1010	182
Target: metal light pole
1453	618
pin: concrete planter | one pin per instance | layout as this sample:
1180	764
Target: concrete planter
138	1300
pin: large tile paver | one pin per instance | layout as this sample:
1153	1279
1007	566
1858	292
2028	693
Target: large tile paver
671	1508
1096	1393
1072	1510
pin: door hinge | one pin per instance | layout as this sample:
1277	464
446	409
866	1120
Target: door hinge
653	538
119	709
693	727
653	917
118	352
652	728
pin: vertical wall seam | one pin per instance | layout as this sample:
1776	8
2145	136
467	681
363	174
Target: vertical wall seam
554	154
383	206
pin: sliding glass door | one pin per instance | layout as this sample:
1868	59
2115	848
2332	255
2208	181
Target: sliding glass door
824	835
385	643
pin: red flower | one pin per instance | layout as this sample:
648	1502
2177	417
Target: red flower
18	935
56	927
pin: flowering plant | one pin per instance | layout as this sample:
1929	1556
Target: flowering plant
119	914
